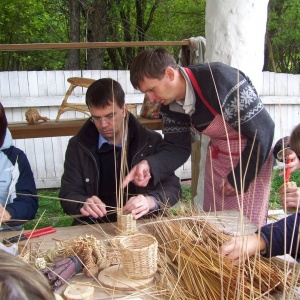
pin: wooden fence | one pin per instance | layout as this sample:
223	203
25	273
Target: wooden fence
45	90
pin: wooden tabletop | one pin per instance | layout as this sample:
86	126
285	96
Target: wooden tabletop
226	220
22	130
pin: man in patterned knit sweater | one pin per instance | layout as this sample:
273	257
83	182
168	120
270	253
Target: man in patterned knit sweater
221	102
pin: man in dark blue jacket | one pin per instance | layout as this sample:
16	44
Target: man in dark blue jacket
110	143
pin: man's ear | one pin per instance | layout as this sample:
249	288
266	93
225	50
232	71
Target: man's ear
124	110
170	73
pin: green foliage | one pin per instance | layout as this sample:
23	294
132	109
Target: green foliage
31	21
186	193
47	21
284	33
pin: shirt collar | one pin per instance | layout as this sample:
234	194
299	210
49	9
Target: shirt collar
103	140
187	105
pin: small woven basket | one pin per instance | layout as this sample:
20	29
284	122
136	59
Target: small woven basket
139	256
126	224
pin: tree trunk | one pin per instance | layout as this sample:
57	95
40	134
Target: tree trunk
97	22
74	54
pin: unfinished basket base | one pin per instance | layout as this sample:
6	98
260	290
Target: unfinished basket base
114	278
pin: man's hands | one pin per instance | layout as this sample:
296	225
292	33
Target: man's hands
4	214
93	207
291	198
226	187
139	205
139	174
240	248
294	164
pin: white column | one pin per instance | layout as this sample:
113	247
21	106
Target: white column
235	35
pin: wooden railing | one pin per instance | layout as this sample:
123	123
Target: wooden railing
88	45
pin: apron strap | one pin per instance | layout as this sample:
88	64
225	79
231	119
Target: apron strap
199	92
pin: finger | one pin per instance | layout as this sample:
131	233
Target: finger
140	211
95	209
131	176
142	182
133	203
86	211
139	214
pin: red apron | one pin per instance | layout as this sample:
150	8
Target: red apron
254	203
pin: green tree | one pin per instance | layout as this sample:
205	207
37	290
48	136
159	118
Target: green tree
54	21
31	21
283	34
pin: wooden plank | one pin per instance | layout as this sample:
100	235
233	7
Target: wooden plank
60	83
278	100
33	84
4	84
23	83
51	83
14	84
22	130
89	45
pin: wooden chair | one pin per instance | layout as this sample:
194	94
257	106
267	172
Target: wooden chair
65	105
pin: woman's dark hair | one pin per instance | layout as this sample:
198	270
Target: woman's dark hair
104	91
3	124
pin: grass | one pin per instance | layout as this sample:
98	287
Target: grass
54	215
51	210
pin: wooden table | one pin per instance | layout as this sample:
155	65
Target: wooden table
22	130
225	220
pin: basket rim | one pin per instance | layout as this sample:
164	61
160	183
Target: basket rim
136	236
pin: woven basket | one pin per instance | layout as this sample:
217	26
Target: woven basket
139	255
126	224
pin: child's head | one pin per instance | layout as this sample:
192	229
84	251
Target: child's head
19	280
294	140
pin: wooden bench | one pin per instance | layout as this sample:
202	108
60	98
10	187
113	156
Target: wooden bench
22	130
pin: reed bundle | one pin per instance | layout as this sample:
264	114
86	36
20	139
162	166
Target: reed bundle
191	267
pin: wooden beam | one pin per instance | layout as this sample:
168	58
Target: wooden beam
22	130
88	45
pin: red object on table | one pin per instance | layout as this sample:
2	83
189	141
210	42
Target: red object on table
29	235
40	232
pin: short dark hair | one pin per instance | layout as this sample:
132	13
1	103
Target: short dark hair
3	124
294	140
104	91
150	63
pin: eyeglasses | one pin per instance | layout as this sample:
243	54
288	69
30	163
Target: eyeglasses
108	119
